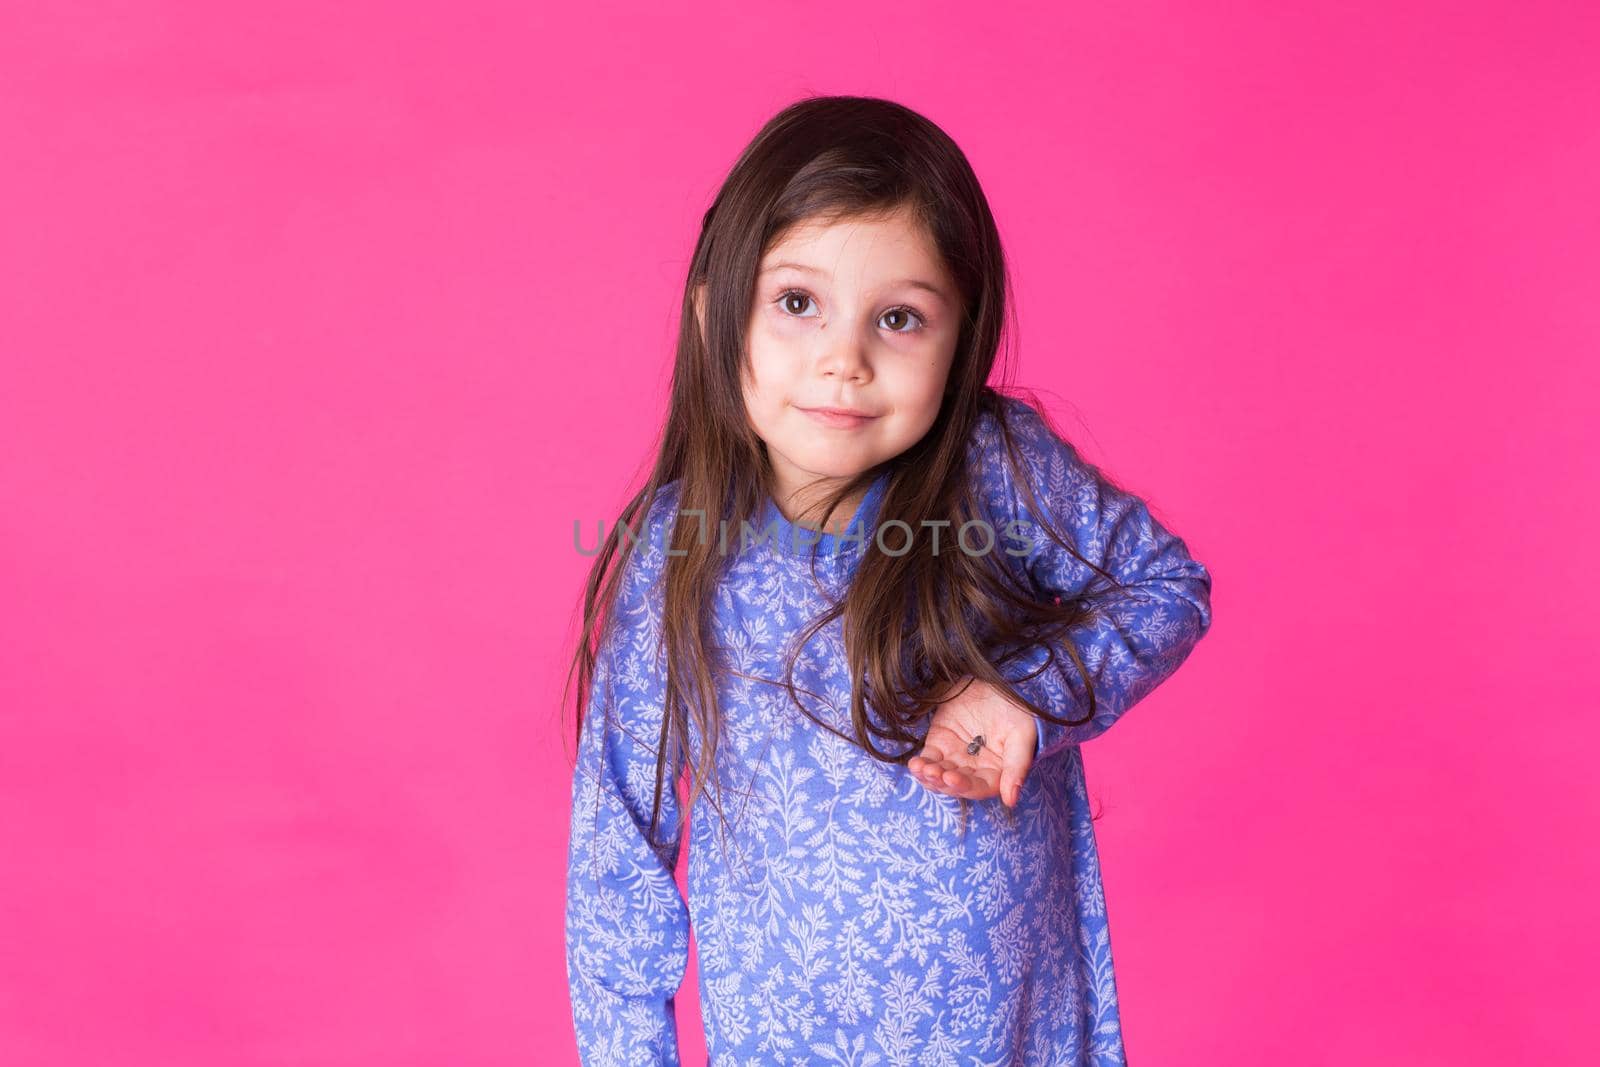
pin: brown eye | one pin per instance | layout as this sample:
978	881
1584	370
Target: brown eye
794	302
905	314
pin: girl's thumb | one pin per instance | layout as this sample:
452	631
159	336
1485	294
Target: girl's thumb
1014	764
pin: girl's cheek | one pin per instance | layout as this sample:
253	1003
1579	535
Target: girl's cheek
777	324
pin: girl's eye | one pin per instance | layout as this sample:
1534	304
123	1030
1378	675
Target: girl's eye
792	299
906	313
788	297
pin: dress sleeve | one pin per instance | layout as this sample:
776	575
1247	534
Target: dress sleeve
627	924
1137	635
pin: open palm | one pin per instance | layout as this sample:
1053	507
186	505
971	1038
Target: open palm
979	745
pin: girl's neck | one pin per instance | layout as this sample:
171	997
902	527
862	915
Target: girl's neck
810	501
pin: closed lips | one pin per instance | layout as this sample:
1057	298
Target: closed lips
842	411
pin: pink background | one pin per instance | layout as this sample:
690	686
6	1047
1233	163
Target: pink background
321	323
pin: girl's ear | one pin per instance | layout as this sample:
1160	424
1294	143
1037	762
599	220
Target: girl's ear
698	295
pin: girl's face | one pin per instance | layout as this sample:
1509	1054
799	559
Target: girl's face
858	315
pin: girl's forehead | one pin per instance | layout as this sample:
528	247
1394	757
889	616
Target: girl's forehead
899	227
894	247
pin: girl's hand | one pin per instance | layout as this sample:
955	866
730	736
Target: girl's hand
977	712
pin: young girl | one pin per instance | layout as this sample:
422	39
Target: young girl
879	718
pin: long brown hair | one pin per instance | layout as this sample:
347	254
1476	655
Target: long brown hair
832	158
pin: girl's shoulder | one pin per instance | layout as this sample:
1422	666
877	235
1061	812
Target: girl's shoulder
1043	456
645	540
1029	428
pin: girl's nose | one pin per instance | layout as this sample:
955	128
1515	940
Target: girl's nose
844	358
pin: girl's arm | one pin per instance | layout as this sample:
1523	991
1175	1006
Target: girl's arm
1138	635
627	925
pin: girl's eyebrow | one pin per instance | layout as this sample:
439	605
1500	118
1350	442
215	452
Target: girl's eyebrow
913	283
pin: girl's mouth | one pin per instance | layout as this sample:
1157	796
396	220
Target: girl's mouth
839	419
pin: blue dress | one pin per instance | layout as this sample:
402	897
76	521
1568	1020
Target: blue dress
848	917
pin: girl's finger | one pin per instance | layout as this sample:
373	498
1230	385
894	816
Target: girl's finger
972	783
1014	764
